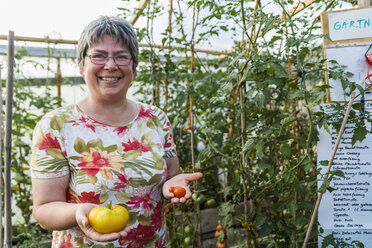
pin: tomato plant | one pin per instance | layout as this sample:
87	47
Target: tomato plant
109	218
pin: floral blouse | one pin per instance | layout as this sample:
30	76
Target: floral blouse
122	164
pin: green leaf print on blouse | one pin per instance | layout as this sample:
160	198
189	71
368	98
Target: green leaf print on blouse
58	121
97	158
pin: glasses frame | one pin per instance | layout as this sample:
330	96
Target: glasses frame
107	60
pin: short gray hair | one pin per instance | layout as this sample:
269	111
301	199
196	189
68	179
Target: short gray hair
112	26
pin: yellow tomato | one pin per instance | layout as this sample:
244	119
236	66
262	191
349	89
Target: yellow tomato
108	219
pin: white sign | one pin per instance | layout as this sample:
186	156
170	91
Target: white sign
346	212
350	24
355	62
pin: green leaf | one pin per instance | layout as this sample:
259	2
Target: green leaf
359	134
80	146
56	153
259	100
131	155
287	120
249	145
96	143
122	197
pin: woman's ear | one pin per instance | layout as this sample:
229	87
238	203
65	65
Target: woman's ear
81	69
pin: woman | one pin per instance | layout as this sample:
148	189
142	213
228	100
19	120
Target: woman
105	148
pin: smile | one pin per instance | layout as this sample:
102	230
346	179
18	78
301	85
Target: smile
112	79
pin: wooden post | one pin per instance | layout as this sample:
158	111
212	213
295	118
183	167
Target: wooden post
8	142
364	3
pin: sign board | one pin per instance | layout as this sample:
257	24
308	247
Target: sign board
351	36
347	211
350	25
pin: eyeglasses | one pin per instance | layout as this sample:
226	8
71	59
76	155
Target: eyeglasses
101	59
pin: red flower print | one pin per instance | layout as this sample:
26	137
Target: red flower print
138	237
48	142
71	196
169	141
121	130
87	122
145	114
66	241
96	160
142	200
160	244
135	145
89	197
157	219
124	179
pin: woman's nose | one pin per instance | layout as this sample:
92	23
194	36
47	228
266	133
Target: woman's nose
110	63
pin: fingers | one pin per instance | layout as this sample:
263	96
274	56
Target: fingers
193	176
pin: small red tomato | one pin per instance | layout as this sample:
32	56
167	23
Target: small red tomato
216	234
178	191
219	228
220	245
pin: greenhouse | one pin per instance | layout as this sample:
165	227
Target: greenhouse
247	124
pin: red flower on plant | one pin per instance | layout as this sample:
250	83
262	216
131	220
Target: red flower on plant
89	197
85	121
124	179
145	114
135	145
121	130
138	237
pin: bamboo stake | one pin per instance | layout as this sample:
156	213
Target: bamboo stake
320	195
138	11
8	142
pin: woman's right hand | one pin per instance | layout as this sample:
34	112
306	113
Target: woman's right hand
82	214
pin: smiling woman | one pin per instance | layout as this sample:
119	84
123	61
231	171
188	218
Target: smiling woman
106	148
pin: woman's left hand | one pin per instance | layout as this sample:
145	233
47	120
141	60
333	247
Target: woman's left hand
182	180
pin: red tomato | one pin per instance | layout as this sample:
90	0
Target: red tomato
178	191
220	245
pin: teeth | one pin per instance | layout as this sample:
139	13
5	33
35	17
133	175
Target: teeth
109	79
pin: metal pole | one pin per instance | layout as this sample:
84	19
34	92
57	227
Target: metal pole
59	80
8	142
1	156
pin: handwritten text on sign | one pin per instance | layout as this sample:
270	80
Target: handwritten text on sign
347	210
350	24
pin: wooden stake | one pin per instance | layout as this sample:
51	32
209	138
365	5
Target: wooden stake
320	195
138	11
8	142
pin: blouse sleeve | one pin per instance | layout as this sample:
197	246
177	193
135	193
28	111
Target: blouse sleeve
48	160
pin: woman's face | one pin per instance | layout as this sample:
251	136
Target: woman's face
108	82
